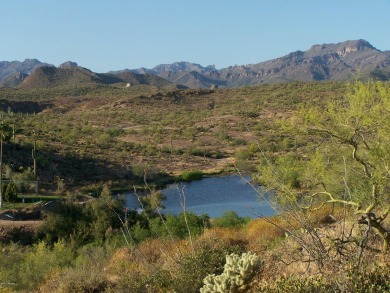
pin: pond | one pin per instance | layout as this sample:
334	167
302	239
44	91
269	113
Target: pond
213	196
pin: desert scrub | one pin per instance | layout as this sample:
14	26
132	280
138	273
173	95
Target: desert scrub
209	258
237	274
297	284
369	281
24	269
365	281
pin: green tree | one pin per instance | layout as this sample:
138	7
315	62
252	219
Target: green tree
11	192
104	212
347	163
66	220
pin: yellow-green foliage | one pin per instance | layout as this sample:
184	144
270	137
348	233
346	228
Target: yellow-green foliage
237	275
25	269
347	161
366	281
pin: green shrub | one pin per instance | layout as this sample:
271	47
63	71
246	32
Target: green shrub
243	155
140	232
178	227
141	171
369	281
76	281
299	285
11	257
230	219
11	193
22	180
191	175
238	141
366	281
86	274
62	221
102	213
81	223
135	282
39	261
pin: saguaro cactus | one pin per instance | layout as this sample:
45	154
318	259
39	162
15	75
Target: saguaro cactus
237	274
33	155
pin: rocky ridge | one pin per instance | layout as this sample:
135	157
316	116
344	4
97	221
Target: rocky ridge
341	61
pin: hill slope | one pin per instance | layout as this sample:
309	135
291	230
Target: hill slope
14	72
49	77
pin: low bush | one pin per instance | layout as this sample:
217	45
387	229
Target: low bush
365	281
191	175
298	284
230	219
136	282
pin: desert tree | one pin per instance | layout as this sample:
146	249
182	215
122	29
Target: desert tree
345	164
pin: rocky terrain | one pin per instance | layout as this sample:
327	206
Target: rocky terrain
340	61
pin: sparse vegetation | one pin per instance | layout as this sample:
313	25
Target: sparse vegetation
330	184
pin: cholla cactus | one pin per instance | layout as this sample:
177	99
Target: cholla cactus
237	274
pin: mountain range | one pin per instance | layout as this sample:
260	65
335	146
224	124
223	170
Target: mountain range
341	61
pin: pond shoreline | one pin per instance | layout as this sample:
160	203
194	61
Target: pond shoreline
212	195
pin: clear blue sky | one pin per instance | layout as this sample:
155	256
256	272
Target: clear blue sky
118	34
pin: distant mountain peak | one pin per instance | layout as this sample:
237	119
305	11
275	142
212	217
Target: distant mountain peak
342	48
321	62
178	66
339	61
68	64
361	44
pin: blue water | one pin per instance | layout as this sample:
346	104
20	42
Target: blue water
213	196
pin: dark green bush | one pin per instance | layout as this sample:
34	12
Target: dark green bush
22	180
178	227
11	192
81	223
174	226
62	221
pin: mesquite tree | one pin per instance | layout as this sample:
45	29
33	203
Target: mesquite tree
346	163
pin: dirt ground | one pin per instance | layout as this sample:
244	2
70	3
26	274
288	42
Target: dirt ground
10	223
21	232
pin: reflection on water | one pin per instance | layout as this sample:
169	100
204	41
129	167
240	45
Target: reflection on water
213	196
